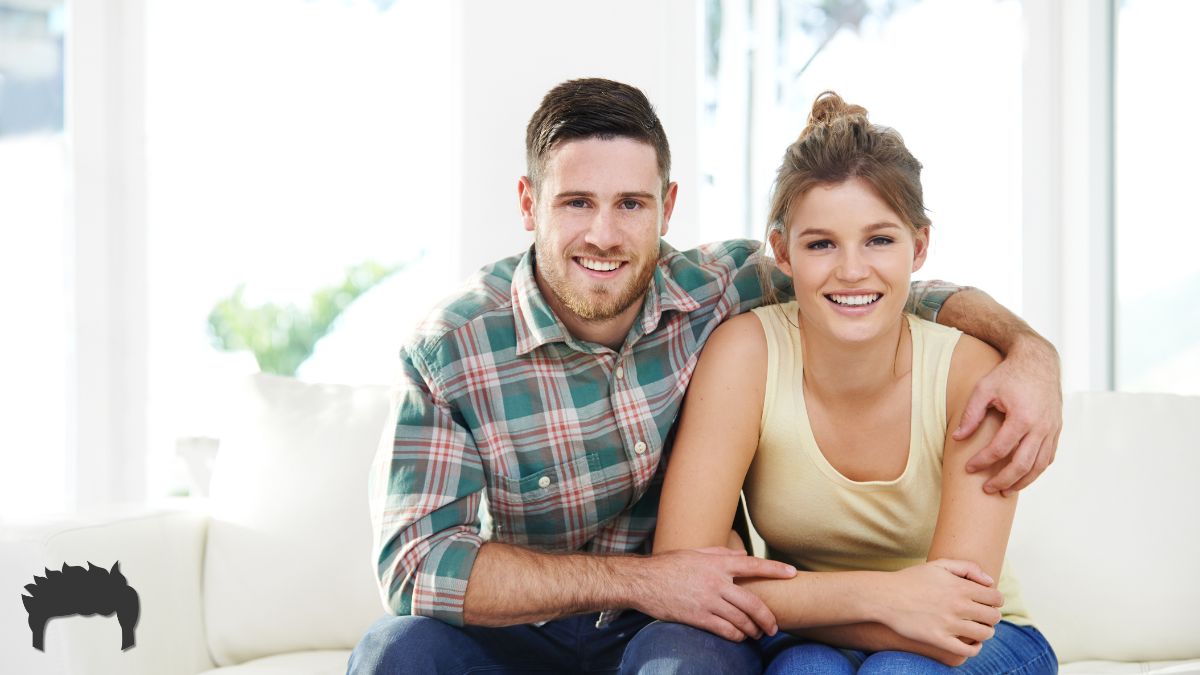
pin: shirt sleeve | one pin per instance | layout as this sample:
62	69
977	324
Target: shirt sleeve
925	299
425	489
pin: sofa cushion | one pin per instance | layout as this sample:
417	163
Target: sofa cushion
1105	544
1117	668
297	663
288	557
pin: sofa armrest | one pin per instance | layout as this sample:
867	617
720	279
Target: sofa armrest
161	554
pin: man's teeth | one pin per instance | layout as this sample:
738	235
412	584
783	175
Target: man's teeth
854	300
599	265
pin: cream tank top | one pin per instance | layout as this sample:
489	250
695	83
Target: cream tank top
812	516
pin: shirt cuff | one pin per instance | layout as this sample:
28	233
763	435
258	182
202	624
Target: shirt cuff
439	586
927	297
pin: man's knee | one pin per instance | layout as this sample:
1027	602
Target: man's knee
676	649
402	644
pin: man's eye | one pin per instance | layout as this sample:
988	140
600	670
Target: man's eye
630	204
819	245
577	203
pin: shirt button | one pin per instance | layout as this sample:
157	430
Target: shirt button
544	481
620	372
639	448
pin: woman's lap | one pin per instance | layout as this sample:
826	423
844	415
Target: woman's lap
1016	650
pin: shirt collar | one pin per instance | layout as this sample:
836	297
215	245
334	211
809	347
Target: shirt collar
536	324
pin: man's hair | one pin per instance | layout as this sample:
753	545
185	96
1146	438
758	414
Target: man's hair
593	108
74	590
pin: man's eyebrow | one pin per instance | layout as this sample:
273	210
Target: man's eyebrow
566	194
882	225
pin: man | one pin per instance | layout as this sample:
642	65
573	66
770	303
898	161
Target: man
547	391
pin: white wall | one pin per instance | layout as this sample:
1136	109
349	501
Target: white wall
513	53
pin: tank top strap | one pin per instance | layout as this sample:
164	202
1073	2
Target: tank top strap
933	350
784	358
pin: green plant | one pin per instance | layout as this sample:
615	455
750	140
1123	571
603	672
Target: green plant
283	336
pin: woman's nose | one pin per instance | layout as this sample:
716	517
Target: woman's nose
851	267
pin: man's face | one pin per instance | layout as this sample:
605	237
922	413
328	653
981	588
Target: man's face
597	217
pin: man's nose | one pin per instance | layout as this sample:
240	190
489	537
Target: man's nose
604	232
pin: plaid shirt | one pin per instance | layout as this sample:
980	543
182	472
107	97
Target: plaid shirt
562	439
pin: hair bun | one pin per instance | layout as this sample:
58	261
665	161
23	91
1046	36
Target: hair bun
828	109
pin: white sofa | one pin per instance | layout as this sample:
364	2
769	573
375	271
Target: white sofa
273	575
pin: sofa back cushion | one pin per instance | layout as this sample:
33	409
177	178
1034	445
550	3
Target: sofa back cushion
1106	543
288	556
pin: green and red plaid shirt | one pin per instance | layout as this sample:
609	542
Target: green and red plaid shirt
562	438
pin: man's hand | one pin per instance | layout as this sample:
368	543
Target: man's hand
948	604
696	587
1027	388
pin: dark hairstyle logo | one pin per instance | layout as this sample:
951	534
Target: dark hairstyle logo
74	590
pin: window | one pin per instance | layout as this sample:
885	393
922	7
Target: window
945	73
34	166
295	151
1157	269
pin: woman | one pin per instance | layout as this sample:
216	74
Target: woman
833	414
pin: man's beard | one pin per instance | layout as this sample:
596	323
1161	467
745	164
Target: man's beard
589	306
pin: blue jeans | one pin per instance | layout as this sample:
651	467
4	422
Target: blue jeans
634	643
1016	650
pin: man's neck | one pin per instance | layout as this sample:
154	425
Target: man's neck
609	332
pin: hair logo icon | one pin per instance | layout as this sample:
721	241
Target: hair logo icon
75	590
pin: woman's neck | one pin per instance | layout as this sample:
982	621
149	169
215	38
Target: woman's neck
838	371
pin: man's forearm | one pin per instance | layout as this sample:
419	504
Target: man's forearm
975	313
511	585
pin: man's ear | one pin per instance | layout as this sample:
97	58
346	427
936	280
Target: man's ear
668	206
779	246
527	201
920	248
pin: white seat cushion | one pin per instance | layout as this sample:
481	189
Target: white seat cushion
288	559
297	663
1115	668
1106	543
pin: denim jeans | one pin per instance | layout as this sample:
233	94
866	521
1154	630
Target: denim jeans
631	644
1016	650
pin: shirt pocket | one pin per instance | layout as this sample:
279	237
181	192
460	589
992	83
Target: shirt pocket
554	507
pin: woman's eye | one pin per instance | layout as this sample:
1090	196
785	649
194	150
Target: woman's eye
881	240
819	245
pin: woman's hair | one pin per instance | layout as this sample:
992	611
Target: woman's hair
840	143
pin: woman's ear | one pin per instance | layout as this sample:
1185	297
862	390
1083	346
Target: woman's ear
779	247
920	247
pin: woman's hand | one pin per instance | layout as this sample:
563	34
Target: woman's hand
948	604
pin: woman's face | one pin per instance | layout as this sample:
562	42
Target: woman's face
850	257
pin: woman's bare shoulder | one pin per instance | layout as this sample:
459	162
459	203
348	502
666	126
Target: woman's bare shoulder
741	337
973	359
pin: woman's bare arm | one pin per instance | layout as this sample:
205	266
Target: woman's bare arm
715	443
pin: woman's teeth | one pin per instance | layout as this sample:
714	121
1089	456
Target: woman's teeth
855	300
